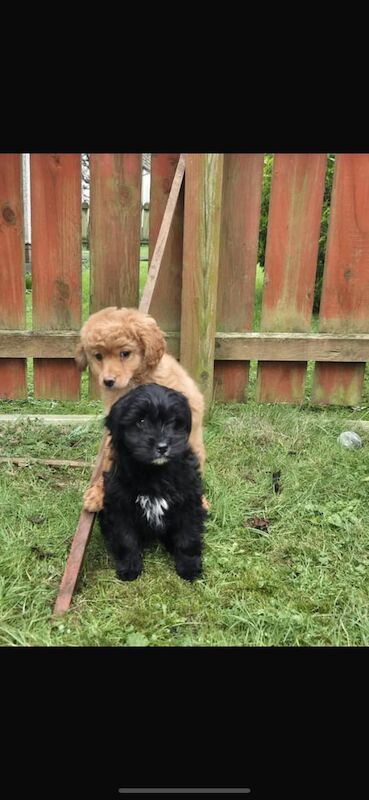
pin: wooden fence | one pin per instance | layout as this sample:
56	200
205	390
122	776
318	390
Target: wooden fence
205	292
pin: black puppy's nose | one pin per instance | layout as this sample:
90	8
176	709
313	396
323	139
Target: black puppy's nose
109	382
162	448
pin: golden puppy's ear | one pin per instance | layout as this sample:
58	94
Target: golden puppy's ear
80	357
153	342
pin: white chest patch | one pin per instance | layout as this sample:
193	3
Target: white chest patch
153	509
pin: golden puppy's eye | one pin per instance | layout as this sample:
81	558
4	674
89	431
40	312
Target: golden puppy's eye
98	357
125	353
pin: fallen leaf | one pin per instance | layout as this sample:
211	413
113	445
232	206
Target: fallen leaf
37	520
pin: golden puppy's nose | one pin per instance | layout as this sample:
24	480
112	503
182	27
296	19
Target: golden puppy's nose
109	382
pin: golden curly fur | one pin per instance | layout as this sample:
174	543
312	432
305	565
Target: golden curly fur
125	348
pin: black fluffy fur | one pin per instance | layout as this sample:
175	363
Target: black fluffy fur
148	423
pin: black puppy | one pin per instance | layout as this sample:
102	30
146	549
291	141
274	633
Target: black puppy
154	488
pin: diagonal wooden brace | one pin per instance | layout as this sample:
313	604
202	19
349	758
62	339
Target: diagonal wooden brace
79	545
86	520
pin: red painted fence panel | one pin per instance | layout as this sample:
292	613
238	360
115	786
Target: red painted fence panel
56	264
344	304
241	200
13	383
290	265
115	209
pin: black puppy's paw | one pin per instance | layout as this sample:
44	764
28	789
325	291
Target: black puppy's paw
189	567
130	569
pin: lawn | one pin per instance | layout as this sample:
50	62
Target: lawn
299	578
302	579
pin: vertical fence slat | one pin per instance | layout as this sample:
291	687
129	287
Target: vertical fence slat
115	211
115	215
166	300
240	219
56	264
13	381
202	212
290	265
344	306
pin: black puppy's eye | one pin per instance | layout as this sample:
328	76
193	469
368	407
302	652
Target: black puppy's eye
98	357
140	423
125	353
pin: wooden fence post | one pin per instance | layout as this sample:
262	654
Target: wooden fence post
202	213
115	212
344	306
290	265
239	236
13	382
56	264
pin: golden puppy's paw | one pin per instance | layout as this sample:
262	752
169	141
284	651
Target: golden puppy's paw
205	503
93	498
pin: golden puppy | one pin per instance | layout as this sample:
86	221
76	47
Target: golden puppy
125	348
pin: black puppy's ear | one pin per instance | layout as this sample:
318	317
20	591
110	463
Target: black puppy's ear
185	412
114	420
188	418
111	420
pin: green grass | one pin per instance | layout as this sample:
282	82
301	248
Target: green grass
303	581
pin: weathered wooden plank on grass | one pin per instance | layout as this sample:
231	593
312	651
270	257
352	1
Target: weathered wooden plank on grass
115	213
56	264
78	549
13	382
50	419
162	292
202	213
344	306
290	265
47	462
240	217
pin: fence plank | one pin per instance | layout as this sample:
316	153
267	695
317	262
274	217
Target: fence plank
115	181
159	257
13	382
166	300
115	208
56	263
228	346
202	212
240	218
290	265
344	303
